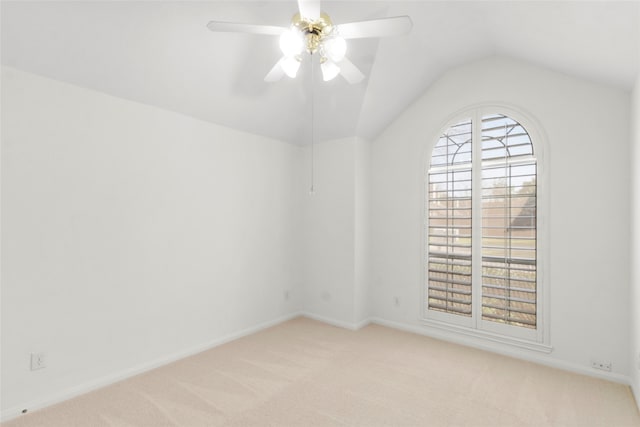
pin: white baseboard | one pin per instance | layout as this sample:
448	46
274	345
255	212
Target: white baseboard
339	323
361	324
636	394
534	357
127	373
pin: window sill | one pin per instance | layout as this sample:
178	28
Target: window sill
488	336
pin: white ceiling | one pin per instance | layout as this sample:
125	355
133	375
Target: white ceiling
161	53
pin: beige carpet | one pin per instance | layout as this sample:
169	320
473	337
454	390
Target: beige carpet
305	373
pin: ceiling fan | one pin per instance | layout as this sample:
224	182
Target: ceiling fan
312	30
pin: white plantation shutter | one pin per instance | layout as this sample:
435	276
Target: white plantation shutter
508	223
449	234
503	248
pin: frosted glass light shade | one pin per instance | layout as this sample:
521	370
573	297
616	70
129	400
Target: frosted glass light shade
291	42
329	70
290	66
335	48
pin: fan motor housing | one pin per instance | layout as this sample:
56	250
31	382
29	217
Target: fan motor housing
314	31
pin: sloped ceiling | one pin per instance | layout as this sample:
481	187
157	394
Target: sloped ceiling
161	54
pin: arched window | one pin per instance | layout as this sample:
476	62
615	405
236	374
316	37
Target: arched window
482	228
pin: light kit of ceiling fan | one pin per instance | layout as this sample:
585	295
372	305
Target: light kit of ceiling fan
312	31
318	36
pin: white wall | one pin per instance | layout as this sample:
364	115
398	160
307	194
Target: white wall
634	356
335	229
132	235
362	230
587	128
327	230
634	290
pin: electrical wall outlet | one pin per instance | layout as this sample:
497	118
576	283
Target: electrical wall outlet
396	301
286	295
603	365
38	361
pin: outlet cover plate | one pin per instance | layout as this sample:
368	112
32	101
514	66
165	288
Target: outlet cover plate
38	361
603	365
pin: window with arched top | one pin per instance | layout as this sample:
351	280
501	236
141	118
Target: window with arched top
482	228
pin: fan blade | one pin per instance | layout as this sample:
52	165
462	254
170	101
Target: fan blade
235	27
350	72
309	9
275	74
393	26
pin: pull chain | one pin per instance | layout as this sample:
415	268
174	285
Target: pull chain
312	189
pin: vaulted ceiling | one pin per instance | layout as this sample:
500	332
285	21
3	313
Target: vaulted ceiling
161	54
